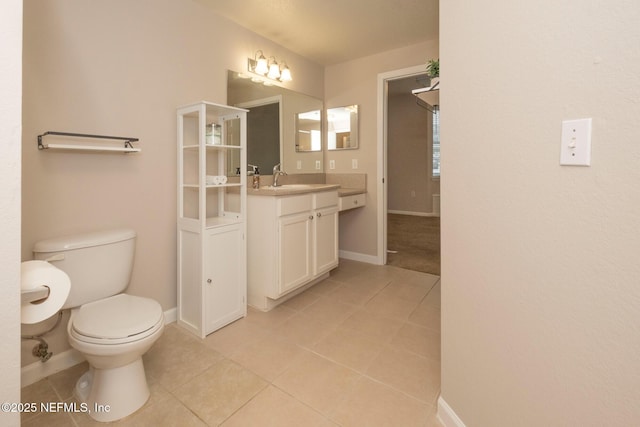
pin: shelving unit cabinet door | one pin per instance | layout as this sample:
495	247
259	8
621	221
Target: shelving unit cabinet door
294	251
225	277
325	234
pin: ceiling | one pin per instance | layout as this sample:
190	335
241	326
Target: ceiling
334	31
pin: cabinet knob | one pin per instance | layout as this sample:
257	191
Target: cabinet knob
310	216
319	214
209	281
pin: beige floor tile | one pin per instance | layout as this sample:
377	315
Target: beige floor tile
170	413
41	391
269	319
236	335
405	290
347	295
302	301
329	311
423	341
220	391
408	372
426	315
317	382
268	358
377	327
374	404
64	382
350	348
51	419
274	408
369	283
178	357
326	287
433	297
391	306
304	330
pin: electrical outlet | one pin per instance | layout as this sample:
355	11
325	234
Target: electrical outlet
299	164
354	163
332	164
318	164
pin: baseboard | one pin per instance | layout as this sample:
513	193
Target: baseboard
36	371
355	256
412	213
171	315
447	416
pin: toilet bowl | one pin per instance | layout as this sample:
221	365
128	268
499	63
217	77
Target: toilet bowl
111	329
113	334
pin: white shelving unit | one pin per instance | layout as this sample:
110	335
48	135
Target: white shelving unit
212	279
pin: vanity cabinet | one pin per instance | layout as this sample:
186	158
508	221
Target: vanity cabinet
211	217
292	242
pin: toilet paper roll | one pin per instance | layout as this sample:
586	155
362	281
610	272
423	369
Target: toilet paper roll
223	179
35	274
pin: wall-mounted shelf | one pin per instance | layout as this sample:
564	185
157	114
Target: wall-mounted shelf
127	148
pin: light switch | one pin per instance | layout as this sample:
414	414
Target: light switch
354	163
318	165
299	164
575	147
332	164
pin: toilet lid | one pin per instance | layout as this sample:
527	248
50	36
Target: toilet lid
119	316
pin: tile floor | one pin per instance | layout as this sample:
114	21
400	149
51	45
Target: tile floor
361	348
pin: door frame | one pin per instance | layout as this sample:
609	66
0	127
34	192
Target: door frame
382	104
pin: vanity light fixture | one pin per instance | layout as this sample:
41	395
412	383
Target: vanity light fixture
258	64
268	69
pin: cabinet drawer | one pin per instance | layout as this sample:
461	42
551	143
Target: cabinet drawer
352	202
325	199
294	204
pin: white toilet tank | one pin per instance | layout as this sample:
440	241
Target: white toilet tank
99	263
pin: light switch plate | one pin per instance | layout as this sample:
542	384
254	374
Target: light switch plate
354	163
332	164
318	166
575	147
299	164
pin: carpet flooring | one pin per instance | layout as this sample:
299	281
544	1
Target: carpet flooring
416	239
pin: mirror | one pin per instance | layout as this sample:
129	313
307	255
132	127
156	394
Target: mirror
309	131
243	92
342	128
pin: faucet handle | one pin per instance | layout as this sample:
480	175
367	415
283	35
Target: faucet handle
277	168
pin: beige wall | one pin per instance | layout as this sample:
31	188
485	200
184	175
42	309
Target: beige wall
540	271
410	183
10	131
355	82
121	68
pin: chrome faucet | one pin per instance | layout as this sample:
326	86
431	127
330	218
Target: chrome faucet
277	172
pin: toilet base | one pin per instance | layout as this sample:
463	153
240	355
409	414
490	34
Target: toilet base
112	394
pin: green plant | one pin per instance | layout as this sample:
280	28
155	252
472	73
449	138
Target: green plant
433	68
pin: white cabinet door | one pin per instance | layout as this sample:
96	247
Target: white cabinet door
223	281
325	231
294	251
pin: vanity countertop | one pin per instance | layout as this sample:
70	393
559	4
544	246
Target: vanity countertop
289	189
342	192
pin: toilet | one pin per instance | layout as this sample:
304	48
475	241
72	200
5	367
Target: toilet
111	329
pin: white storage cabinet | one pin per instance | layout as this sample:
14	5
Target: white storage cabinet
212	280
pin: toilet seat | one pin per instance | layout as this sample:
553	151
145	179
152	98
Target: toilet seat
118	319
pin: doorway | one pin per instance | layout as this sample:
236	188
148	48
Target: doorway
408	221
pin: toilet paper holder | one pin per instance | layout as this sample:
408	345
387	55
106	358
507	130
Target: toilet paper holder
35	295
